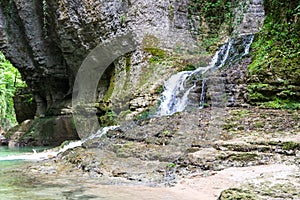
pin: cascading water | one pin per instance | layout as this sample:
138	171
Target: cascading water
175	97
202	97
52	153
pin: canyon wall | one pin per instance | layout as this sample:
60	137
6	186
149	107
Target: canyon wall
47	41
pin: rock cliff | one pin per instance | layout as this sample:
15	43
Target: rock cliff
48	41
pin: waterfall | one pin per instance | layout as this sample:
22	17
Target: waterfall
202	97
177	88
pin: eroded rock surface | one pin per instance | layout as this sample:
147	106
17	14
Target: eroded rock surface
48	41
253	148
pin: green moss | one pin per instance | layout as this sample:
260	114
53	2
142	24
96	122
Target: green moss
275	70
171	165
229	126
243	157
129	145
240	113
150	41
189	67
122	19
108	118
171	13
237	194
157	54
278	190
159	89
280	104
259	124
150	44
127	64
110	89
290	145
145	115
150	112
215	17
123	114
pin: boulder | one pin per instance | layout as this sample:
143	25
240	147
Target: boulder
44	131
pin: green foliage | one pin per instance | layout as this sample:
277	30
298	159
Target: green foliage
10	79
290	145
189	67
171	165
275	70
145	115
150	112
213	16
159	89
278	103
122	19
171	13
127	64
157	54
108	118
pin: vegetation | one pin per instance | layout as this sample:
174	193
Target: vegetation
290	145
236	193
275	70
10	80
108	118
215	17
148	113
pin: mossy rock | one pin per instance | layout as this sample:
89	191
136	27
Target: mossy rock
50	131
246	157
275	71
237	194
290	145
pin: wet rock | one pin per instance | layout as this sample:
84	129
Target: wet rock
45	131
160	151
17	132
3	140
24	105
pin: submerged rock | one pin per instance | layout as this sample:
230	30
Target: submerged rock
3	140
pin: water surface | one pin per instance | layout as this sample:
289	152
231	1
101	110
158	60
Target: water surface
16	184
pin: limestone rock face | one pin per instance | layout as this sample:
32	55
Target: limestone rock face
24	105
17	132
48	41
43	132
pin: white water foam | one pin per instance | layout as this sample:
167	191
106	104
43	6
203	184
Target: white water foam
175	96
36	156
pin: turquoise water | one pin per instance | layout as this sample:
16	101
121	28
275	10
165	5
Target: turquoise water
16	184
9	151
6	152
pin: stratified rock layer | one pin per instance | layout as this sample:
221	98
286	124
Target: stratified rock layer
47	41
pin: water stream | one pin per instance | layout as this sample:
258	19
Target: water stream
178	87
15	184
